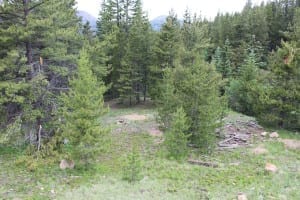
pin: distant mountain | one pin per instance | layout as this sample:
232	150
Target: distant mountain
88	17
157	22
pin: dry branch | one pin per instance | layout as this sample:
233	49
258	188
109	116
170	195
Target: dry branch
39	139
206	164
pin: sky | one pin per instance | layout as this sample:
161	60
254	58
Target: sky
155	8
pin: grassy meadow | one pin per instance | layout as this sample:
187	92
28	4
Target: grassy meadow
239	170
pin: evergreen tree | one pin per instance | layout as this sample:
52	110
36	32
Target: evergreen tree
167	52
82	107
139	52
195	39
229	69
186	31
132	172
42	40
218	60
176	138
279	102
296	27
15	39
87	31
196	90
242	91
138	57
168	46
115	20
281	107
222	61
106	20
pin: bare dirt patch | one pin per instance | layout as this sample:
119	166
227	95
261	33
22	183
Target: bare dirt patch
135	123
291	144
155	132
134	117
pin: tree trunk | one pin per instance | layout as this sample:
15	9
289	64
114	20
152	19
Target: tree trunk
29	53
28	45
137	93
145	86
130	101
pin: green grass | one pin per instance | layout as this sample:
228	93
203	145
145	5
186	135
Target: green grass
239	171
288	134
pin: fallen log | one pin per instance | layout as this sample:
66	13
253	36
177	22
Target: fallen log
240	138
206	164
229	146
225	141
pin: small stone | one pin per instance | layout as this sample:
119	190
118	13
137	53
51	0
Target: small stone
120	121
259	150
274	135
271	168
64	164
66	141
264	134
52	192
235	164
71	164
241	196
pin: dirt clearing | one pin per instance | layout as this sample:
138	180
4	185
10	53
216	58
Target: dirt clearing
134	117
290	144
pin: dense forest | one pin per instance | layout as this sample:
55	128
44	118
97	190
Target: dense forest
56	73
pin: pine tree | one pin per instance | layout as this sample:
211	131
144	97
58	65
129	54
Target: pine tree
108	34
42	40
222	63
279	102
186	31
167	52
242	91
281	107
296	26
15	39
82	107
125	23
228	68
176	138
115	20
12	84
138	55
168	45
105	22
132	171
195	38
87	31
196	90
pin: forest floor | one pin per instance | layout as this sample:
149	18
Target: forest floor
239	165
